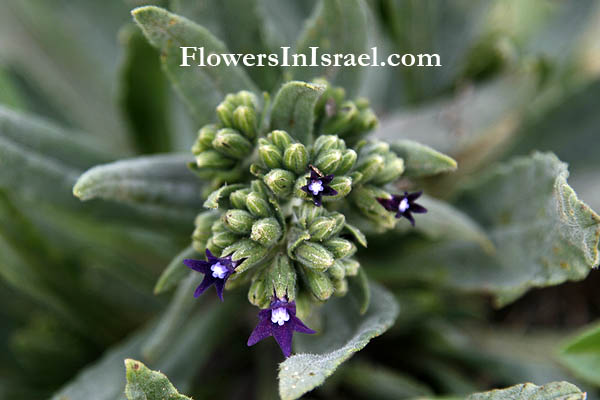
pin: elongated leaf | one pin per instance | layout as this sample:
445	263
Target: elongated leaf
145	384
344	335
529	391
543	234
202	88
582	355
154	181
293	109
421	160
175	271
337	26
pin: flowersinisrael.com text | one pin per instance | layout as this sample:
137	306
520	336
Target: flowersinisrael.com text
197	56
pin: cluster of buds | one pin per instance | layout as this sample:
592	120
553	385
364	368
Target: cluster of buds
287	231
221	148
349	119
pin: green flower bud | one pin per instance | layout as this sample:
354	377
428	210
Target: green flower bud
304	304
347	162
343	119
343	185
260	188
210	245
281	139
365	199
325	227
230	143
224	239
351	266
370	166
259	292
280	181
307	213
257	205
203	223
253	252
367	121
238	198
282	275
225	113
244	119
246	98
295	158
266	231
269	154
313	255
238	221
213	159
340	287
218	226
205	137
318	283
337	271
328	161
327	142
340	248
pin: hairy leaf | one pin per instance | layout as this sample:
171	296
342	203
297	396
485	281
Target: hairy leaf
202	88
345	333
175	271
293	109
145	384
421	160
529	391
582	355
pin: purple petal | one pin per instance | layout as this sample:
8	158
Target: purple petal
305	188
419	209
329	191
209	256
299	326
283	337
317	200
197	265
413	196
327	178
260	332
314	175
386	203
205	284
220	285
409	216
236	263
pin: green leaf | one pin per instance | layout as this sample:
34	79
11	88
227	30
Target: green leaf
175	271
582	355
144	93
202	88
529	391
294	109
162	182
145	384
344	335
337	26
543	235
359	285
421	160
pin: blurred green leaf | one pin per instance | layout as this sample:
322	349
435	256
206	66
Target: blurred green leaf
421	160
336	26
582	355
144	93
345	333
529	391
145	384
175	271
202	88
293	109
10	94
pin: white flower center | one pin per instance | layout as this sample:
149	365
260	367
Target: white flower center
219	270
280	316
315	187
403	205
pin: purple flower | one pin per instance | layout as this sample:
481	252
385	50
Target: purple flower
279	321
216	270
404	205
317	185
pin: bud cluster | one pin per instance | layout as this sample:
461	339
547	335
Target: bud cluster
349	119
221	148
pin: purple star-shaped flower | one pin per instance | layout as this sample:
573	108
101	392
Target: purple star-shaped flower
279	321
216	270
404	205
317	185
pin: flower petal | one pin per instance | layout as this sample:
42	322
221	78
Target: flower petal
299	326
419	209
409	217
210	257
329	191
220	285
205	284
386	203
283	336
260	332
413	196
197	265
327	179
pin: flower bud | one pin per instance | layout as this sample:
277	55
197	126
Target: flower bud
307	213
343	185
327	142
238	221
393	169
366	121
347	162
337	271
283	277
246	98
295	158
248	249
230	143
343	119
210	245
340	248
280	181
203	223
213	159
340	287
325	227
224	239
351	266
205	137
281	139
370	166
259	292
257	205
266	231
244	119
225	113
318	283
218	226
313	255
328	161
238	198
365	199
269	154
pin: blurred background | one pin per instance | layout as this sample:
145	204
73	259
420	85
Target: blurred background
77	279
